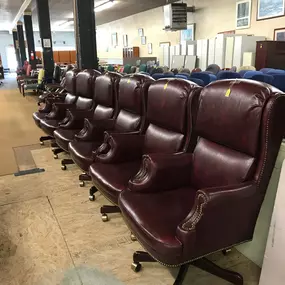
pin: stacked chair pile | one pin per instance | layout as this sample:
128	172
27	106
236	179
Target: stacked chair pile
187	167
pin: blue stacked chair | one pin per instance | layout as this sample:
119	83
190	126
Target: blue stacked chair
197	81
279	81
250	73
183	75
225	74
265	70
205	77
157	76
243	72
263	78
276	71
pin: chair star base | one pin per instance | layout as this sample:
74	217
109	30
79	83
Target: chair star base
92	191
82	178
65	162
45	138
56	151
203	264
108	209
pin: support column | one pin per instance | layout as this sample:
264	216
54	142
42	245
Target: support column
85	34
30	38
45	34
21	42
16	46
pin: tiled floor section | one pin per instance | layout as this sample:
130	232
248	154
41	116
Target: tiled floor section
52	234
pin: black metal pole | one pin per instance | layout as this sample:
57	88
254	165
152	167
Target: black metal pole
85	33
30	38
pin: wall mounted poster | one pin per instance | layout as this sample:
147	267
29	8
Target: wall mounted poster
114	39
270	9
189	34
243	12
279	34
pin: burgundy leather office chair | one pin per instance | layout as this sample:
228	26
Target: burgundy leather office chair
130	117
105	106
171	112
83	100
184	207
70	87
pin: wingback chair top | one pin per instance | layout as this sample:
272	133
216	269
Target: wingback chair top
105	95
81	100
129	117
211	198
70	82
132	102
56	73
104	108
171	113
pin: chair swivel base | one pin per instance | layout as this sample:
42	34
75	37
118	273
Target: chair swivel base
92	191
84	177
56	151
45	138
108	209
203	264
65	162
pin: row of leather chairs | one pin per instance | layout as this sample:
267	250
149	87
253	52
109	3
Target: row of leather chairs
186	167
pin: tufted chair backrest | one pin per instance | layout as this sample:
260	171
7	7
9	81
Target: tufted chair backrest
171	112
238	121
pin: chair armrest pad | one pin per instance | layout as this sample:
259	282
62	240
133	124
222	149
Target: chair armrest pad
75	118
217	198
120	147
94	130
58	111
160	172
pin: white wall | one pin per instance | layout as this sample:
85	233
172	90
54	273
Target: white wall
211	17
6	40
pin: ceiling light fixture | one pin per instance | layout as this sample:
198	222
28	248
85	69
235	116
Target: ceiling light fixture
67	23
103	5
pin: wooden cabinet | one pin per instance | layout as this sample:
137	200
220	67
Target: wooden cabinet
56	56
270	54
131	52
73	58
61	56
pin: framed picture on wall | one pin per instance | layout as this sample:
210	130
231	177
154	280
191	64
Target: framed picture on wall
243	14
149	48
279	34
114	39
270	9
143	40
141	32
188	35
125	40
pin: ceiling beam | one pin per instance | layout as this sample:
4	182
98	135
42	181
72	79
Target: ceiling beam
20	13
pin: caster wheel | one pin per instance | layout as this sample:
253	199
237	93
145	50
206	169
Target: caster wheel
226	251
133	237
105	218
136	267
42	143
92	198
81	183
55	156
63	167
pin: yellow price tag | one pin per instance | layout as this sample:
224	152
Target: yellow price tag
129	81
165	86
228	93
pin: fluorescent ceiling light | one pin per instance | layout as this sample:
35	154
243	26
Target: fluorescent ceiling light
103	5
67	24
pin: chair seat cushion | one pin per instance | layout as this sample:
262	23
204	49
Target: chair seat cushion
154	217
37	116
64	137
111	179
49	126
81	153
